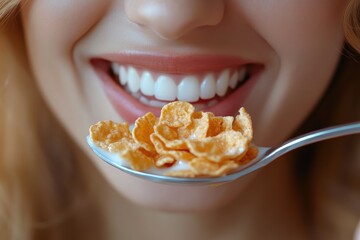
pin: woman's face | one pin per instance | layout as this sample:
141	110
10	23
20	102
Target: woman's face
118	59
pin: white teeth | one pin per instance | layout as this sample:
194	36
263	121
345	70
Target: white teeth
234	80
222	83
123	75
133	80
115	68
188	89
158	104
147	84
208	87
164	88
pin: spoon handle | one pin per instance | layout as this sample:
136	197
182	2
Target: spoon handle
309	138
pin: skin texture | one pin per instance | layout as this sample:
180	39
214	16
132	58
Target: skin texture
297	42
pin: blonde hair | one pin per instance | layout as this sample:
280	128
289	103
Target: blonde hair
352	24
328	172
39	198
44	199
7	7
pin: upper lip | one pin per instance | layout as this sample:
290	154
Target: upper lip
175	64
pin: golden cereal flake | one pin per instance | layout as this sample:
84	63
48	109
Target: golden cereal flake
218	125
137	159
169	136
250	155
164	161
243	123
177	114
161	149
226	145
144	127
104	133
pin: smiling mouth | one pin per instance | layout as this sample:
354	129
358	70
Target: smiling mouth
155	89
140	83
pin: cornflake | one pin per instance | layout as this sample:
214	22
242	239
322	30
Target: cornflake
208	145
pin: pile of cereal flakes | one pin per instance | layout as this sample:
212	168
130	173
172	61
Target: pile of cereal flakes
211	145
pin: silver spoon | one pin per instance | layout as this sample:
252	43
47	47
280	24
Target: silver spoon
266	155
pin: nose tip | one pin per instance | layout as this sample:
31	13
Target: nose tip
171	19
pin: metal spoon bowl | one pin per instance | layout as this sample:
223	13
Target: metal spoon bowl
266	155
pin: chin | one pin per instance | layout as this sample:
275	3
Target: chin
178	198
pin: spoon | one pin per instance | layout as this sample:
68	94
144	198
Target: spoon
265	156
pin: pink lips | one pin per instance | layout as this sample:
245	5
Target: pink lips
130	108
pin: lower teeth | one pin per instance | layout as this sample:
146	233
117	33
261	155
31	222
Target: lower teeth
160	104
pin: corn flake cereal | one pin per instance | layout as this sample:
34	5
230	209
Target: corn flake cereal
137	159
226	145
107	132
175	153
164	161
144	127
209	145
177	114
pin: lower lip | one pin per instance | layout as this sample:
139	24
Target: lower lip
130	108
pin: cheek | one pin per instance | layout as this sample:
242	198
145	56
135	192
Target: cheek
52	30
296	25
61	23
307	38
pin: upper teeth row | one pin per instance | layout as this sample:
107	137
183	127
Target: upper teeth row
189	88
